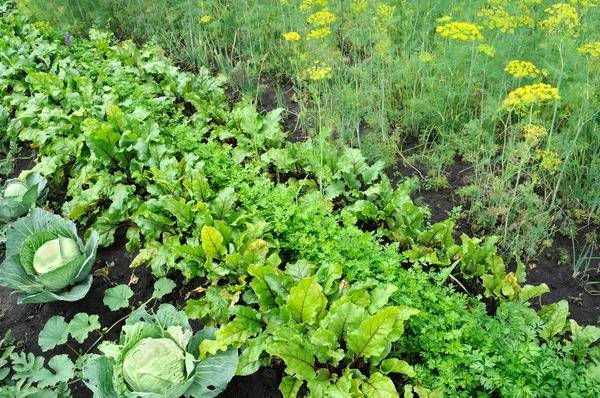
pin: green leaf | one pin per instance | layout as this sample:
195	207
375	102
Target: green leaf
299	270
212	242
162	287
329	275
395	365
306	301
528	292
379	386
345	319
82	324
64	370
583	337
555	319
98	376
117	297
373	334
299	358
223	205
380	296
181	210
55	332
290	386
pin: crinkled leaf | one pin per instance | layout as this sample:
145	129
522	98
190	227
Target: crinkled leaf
373	334
212	242
299	358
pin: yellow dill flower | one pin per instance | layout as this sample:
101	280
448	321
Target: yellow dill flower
560	14
593	49
359	6
426	57
318	33
522	69
549	160
306	5
461	31
292	36
488	50
321	18
497	18
383	15
444	19
585	3
206	19
533	134
522	100
319	71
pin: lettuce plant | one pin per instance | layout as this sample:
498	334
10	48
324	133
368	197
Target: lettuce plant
156	357
46	260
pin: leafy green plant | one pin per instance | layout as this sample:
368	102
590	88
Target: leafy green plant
17	197
46	260
26	375
157	356
333	336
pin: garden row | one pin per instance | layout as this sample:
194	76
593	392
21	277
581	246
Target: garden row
508	87
304	252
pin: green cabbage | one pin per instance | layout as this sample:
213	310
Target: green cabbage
157	357
152	365
46	260
55	253
15	190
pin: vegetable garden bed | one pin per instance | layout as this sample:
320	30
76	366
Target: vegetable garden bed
315	269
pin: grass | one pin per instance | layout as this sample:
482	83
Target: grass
418	80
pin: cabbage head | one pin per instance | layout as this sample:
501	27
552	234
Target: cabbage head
46	260
18	196
157	357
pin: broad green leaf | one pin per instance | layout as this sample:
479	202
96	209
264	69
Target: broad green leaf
256	252
555	319
299	358
380	296
329	275
266	295
82	324
64	370
181	210
117	297
281	284
290	386
223	205
583	337
55	332
395	365
373	334
299	270
98	376
345	319
529	291
162	287
306	301
212	242
379	386
253	356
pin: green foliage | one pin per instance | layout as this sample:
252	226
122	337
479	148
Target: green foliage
335	339
25	375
